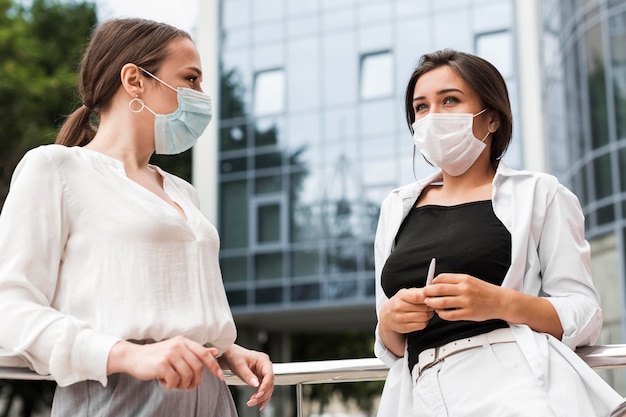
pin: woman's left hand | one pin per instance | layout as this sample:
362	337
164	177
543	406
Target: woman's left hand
252	367
464	297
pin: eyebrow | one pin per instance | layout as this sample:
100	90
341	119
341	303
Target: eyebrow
444	91
198	70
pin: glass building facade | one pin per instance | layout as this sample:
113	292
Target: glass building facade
584	50
312	136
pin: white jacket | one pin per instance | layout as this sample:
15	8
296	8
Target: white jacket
549	257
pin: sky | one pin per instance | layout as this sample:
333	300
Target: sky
179	13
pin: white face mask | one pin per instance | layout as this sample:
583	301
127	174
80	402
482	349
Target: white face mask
176	132
446	140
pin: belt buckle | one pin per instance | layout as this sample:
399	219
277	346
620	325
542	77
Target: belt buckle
435	360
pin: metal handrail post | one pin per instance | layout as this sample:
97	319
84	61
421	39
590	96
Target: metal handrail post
299	406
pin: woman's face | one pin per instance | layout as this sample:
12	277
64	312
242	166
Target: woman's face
442	90
181	68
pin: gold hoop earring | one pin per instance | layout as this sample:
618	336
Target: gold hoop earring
138	101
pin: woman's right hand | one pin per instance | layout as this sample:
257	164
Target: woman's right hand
403	313
176	363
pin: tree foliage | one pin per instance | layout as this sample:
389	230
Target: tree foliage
40	46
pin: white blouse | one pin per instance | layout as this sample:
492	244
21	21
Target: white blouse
89	257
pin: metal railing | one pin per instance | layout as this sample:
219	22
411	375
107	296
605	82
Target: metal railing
336	371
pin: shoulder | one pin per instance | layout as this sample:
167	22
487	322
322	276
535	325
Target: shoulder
44	157
524	179
533	185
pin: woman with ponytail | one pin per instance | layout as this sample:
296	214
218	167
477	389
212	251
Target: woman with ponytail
110	279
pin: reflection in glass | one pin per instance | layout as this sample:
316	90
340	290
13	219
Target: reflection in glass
605	214
230	165
305	292
233	137
497	48
622	169
342	258
270	295
269	92
271	184
234	214
617	28
345	288
603	179
376	75
305	262
234	269
237	297
596	88
340	71
269	265
268	223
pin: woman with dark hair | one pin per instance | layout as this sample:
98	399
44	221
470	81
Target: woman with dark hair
110	279
483	273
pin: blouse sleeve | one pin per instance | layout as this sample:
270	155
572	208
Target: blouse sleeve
380	257
34	227
566	270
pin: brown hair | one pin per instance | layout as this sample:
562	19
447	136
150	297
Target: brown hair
113	44
483	78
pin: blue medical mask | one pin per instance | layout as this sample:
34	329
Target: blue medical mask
177	132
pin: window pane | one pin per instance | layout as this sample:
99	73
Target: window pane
229	165
305	263
596	87
617	25
345	288
305	292
342	259
268	223
233	137
605	215
376	75
269	265
237	297
622	169
234	214
269	295
270	184
497	48
269	92
234	269
602	176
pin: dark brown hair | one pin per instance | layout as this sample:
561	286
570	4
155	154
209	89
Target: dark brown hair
113	44
483	78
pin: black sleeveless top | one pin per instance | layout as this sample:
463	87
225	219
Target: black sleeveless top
467	238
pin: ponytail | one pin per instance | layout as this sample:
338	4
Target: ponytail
77	129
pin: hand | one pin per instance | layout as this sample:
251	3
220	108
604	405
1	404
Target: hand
405	312
464	297
175	363
251	366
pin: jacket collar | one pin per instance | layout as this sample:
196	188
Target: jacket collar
409	193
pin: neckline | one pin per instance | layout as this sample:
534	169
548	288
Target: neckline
453	206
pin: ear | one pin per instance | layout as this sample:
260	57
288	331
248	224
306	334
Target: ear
132	80
494	121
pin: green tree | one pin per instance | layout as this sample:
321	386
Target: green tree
40	46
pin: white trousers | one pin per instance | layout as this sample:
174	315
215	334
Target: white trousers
490	381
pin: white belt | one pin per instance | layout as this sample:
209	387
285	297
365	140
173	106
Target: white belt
430	357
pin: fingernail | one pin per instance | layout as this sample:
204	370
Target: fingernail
221	375
252	403
254	382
